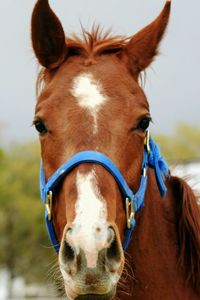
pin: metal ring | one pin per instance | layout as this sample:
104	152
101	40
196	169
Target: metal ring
130	214
146	141
48	204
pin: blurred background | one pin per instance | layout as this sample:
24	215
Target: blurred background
172	87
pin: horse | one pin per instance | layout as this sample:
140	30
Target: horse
123	227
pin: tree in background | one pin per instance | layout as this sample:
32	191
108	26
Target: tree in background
23	239
181	147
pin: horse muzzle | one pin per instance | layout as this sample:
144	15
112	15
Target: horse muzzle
91	284
96	281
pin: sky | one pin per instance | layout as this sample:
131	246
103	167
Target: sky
173	80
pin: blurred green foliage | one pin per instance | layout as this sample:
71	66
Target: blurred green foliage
23	239
24	246
182	146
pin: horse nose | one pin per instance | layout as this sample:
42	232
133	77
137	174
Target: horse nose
76	256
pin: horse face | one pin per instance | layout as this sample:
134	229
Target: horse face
83	111
90	101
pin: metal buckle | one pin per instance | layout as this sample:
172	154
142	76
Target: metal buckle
144	172
130	214
146	141
48	205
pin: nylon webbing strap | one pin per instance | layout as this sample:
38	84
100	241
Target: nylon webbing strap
154	159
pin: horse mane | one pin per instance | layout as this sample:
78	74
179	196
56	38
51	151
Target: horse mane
88	44
188	219
96	42
91	44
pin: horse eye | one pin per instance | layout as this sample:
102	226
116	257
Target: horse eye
144	123
40	127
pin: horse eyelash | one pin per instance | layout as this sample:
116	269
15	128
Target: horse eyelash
135	127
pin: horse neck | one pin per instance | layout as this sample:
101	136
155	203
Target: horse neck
154	249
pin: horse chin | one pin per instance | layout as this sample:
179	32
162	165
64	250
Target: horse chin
71	295
108	296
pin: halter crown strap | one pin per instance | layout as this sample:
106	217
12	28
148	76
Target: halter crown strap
133	202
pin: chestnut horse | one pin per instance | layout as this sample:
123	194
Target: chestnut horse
114	234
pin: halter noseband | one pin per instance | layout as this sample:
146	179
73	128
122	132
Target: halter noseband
133	202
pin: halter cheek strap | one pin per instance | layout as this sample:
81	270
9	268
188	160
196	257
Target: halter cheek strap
133	202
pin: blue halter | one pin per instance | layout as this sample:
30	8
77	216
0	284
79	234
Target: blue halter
133	202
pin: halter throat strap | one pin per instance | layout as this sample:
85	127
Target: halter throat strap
133	202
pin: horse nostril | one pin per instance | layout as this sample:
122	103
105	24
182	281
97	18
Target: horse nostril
68	252
111	235
113	252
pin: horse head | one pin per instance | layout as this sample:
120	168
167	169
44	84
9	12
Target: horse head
91	100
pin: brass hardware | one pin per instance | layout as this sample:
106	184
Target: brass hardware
48	205
130	214
146	141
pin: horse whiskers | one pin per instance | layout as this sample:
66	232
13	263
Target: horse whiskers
53	269
127	273
128	256
55	275
129	263
124	285
55	278
125	293
52	265
59	284
115	298
125	282
61	290
129	268
49	246
53	262
124	288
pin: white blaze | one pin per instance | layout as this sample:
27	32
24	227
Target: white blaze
90	229
89	95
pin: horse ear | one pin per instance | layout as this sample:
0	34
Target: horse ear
142	47
48	38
